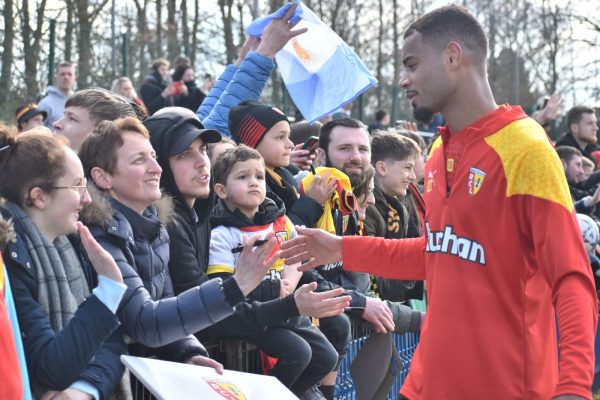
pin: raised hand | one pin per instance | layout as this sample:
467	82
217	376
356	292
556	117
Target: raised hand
314	246
279	31
320	305
101	260
302	159
254	263
379	315
322	188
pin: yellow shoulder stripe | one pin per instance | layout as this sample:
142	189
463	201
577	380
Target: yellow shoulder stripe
530	163
219	269
436	144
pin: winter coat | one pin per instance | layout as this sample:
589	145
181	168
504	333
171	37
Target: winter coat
569	140
269	211
149	312
193	99
376	224
246	83
151	93
87	348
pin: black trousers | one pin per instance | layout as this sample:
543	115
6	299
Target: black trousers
304	354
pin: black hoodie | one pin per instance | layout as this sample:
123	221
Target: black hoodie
189	234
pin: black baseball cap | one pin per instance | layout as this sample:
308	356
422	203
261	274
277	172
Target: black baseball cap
172	132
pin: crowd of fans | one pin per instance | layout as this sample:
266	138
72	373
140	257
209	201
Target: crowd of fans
149	224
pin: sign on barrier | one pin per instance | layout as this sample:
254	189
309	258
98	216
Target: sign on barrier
169	380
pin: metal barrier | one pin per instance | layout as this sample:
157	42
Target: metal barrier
405	344
242	356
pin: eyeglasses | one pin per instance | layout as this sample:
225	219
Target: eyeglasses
80	188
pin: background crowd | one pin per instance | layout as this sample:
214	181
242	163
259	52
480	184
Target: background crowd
149	224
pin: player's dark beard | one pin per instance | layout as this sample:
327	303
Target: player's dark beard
423	114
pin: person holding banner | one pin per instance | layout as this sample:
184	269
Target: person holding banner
504	280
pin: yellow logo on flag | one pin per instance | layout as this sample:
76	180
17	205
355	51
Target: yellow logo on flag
228	390
475	180
303	54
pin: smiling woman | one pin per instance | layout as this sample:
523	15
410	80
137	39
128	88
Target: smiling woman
63	325
128	219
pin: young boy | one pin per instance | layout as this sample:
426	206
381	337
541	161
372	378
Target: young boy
393	157
267	130
304	354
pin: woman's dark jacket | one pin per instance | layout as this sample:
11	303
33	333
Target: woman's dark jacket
88	348
150	313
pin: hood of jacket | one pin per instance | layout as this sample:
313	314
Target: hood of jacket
101	211
7	230
268	211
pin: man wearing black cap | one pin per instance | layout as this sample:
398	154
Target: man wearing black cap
180	142
29	115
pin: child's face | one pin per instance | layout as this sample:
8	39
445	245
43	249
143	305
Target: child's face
276	146
245	187
365	200
396	176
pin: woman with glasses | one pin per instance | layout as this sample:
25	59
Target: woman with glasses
66	286
128	219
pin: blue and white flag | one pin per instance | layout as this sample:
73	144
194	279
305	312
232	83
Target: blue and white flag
318	68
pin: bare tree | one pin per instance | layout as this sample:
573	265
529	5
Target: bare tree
195	27
31	45
69	30
185	38
144	38
7	50
379	68
86	14
172	43
159	46
226	7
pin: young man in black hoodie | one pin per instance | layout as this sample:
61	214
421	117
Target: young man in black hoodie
180	141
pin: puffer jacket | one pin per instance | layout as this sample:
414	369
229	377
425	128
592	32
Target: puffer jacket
88	348
161	323
246	83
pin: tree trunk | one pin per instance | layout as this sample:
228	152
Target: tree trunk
159	47
226	7
380	56
31	46
7	51
84	40
195	26
69	31
397	63
185	28
172	43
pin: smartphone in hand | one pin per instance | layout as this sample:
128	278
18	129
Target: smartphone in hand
311	144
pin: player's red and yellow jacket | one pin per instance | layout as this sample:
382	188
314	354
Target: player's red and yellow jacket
502	255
